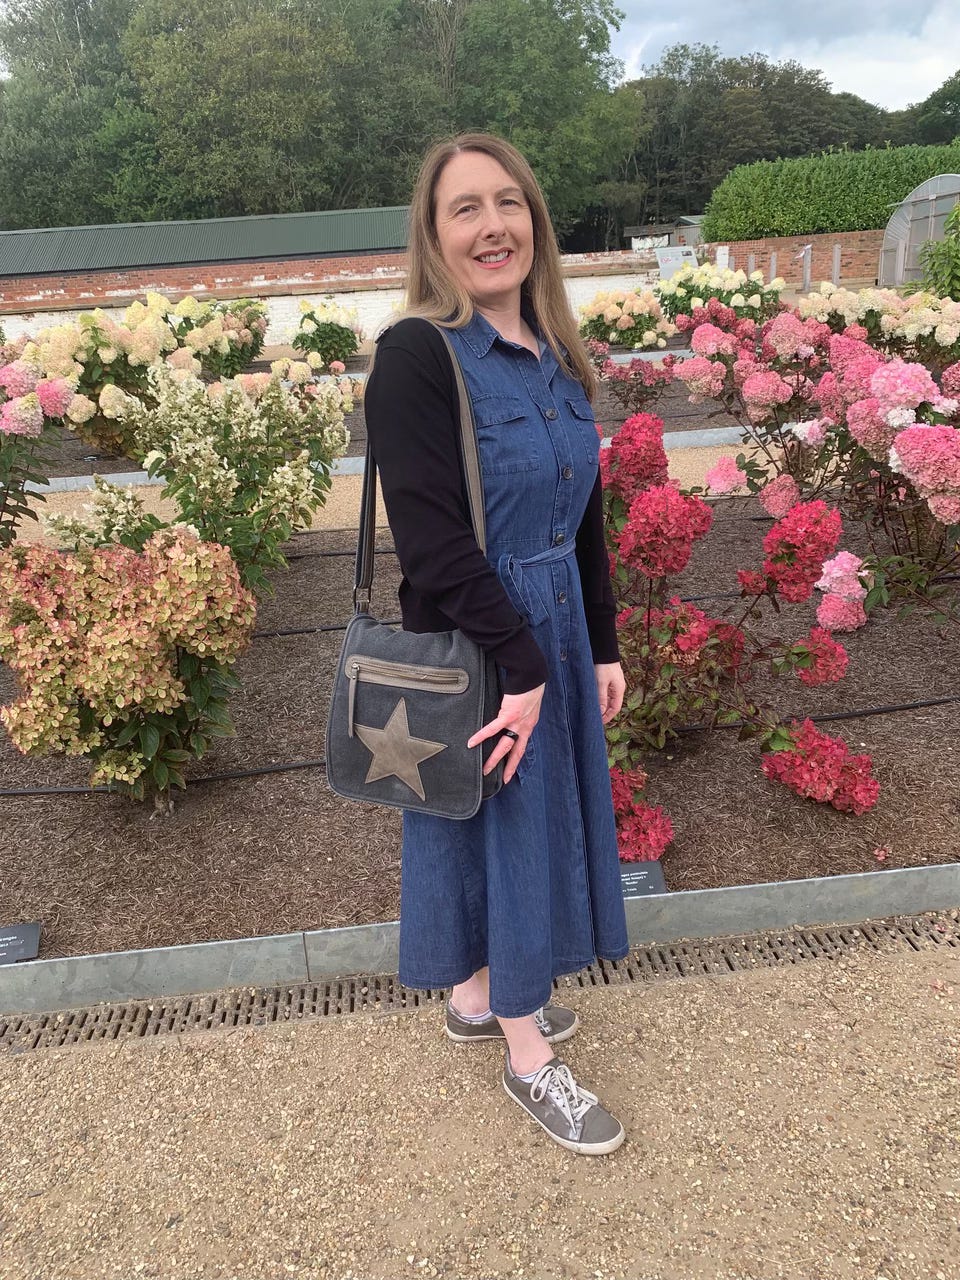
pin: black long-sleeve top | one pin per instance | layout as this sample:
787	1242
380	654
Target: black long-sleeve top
412	416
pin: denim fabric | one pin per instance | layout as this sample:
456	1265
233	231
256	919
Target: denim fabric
531	885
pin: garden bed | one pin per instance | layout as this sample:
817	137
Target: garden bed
279	853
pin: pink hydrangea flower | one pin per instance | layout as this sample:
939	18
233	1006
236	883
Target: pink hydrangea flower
903	385
22	416
780	495
812	433
337	366
950	380
55	395
19	378
828	396
929	456
853	363
708	340
870	429
765	389
788	337
704	378
837	613
841	575
945	507
725	476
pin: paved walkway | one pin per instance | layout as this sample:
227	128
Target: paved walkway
784	1124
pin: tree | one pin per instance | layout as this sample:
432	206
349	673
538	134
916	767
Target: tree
532	71
938	117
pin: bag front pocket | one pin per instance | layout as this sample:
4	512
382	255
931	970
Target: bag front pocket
360	669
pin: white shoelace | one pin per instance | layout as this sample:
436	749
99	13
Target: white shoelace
542	1022
558	1083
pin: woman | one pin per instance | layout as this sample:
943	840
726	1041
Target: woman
497	906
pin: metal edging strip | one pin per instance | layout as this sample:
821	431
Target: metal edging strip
73	981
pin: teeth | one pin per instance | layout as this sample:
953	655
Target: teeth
495	257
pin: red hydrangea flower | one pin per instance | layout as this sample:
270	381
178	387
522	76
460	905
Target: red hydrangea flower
661	529
819	767
829	659
635	457
796	547
624	784
751	583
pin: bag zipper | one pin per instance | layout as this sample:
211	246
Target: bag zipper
399	675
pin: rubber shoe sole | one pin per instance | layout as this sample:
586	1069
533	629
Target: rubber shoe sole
578	1148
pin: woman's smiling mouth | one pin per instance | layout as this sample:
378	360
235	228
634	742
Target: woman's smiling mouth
494	259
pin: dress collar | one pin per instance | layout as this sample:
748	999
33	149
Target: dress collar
480	335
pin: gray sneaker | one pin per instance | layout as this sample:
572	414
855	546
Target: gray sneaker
570	1115
556	1023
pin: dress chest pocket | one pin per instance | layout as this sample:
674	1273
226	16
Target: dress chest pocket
584	425
504	434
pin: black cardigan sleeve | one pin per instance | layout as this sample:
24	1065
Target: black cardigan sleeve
593	562
409	406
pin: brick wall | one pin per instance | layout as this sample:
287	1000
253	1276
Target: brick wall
26	294
859	255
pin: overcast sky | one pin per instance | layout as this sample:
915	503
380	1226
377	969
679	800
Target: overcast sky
891	52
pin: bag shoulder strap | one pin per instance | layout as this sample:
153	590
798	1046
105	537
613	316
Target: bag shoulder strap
363	577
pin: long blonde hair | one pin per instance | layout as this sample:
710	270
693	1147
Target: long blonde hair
433	293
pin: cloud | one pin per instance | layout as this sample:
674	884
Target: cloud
883	50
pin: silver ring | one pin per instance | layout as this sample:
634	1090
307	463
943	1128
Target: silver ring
509	733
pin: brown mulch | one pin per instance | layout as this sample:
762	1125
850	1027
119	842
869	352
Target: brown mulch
277	853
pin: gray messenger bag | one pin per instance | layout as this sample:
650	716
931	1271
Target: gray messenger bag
404	703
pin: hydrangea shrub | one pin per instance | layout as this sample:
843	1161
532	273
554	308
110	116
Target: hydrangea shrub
123	657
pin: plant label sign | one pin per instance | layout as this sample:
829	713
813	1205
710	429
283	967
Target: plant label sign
640	881
671	260
19	942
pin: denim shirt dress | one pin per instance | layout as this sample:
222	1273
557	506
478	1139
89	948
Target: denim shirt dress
531	885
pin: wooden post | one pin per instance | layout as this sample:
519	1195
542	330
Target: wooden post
807	268
751	263
836	264
773	265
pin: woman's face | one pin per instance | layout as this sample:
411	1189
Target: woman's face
484	229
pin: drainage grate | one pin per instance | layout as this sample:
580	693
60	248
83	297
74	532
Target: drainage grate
258	1006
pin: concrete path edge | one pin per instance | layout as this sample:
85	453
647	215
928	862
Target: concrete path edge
319	955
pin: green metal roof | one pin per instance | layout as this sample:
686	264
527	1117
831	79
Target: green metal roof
155	244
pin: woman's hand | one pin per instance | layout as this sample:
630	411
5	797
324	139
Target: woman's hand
611	687
519	712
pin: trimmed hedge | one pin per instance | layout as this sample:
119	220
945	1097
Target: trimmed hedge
836	191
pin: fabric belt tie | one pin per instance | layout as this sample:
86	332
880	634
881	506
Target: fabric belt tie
524	596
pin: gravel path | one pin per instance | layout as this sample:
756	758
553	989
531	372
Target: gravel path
782	1125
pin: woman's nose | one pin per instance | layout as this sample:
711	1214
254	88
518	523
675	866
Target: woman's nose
493	223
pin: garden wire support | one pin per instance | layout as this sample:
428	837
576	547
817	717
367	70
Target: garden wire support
262	770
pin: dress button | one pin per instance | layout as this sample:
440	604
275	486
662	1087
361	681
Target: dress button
561	597
563	655
567	473
559	540
550	414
